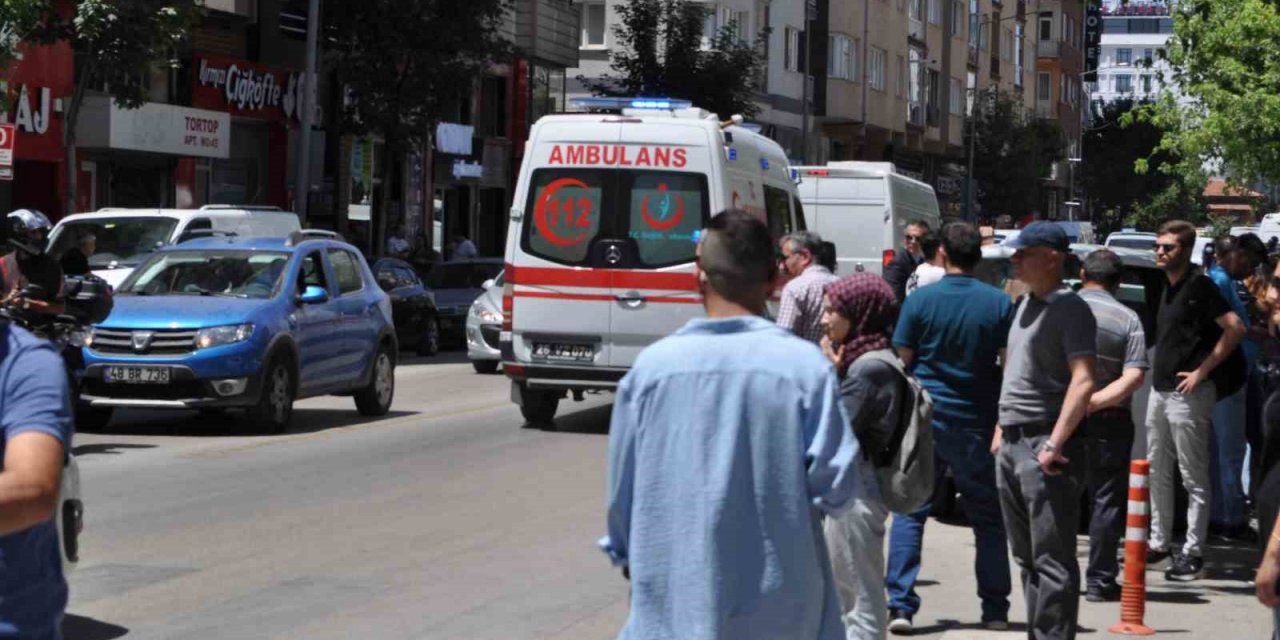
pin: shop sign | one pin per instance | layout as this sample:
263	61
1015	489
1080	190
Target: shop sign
454	138
33	109
7	138
464	169
156	128
247	89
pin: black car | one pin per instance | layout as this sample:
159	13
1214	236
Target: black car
412	306
456	285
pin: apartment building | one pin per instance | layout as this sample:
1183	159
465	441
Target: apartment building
1130	64
1060	95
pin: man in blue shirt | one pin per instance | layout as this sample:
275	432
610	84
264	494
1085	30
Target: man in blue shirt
35	417
953	333
728	440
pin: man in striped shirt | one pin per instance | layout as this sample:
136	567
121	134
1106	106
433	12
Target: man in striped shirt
801	309
1108	429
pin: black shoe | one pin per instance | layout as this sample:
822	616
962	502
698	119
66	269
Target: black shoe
899	623
1185	569
1155	557
1102	593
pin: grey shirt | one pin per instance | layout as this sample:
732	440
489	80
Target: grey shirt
873	393
1122	344
1047	334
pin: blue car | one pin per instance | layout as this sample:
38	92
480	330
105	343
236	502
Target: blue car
251	323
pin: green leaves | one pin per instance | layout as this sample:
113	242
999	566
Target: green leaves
1013	152
660	52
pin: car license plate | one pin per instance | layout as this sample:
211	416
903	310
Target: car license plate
137	375
563	352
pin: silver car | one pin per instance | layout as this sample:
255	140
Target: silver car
484	323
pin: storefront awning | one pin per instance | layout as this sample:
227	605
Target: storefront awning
154	128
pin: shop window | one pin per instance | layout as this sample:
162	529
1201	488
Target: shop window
493	96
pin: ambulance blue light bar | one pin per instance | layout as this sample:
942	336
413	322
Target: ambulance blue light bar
618	104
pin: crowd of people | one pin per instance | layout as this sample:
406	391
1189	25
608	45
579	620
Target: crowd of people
746	494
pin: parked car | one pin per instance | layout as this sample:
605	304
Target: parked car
484	326
125	237
456	285
1131	239
251	323
412	306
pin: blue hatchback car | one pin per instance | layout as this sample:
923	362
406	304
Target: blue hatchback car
252	323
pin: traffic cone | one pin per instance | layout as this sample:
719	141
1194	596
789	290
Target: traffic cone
1133	598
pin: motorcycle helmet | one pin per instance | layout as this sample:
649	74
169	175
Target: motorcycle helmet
28	230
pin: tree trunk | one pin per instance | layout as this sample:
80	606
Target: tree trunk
69	141
378	221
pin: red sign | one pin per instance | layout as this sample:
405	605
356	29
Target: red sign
618	155
36	86
574	214
7	136
246	88
670	208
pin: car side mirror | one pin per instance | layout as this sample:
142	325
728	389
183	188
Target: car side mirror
314	295
487	283
387	284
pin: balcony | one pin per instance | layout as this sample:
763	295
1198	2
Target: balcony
1049	49
915	114
916	30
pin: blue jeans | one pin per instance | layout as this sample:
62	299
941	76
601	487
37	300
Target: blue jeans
1226	462
967	452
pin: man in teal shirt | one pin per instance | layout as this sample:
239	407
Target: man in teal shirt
727	442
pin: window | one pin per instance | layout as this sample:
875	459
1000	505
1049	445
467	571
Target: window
1043	87
347	270
762	23
916	10
593	24
311	274
876	69
1062	88
1124	83
935	12
957	18
1124	57
900	90
915	91
1006	45
1147	56
777	206
791	59
934	99
957	98
1146	84
1019	55
1046	28
842	57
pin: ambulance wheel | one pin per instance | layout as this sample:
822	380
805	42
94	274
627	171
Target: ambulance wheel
539	407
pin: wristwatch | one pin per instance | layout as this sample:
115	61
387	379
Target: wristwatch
1049	447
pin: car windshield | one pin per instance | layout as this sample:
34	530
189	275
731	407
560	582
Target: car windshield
1133	243
125	241
238	274
462	275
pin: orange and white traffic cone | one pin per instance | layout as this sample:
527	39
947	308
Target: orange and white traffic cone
1133	598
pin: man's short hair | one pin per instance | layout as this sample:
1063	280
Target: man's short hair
920	223
929	243
1253	246
738	256
828	257
806	241
1103	267
1185	231
963	244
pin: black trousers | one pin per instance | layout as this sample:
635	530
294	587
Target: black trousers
1108	441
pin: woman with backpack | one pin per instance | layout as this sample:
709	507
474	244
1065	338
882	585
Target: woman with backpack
859	313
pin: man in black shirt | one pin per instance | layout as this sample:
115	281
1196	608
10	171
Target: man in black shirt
1196	332
906	260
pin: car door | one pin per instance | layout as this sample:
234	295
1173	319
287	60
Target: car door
359	322
316	329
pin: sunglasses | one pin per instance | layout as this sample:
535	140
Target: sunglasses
911	238
1166	247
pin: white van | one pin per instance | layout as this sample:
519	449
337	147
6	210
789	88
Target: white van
600	250
864	208
1269	227
126	236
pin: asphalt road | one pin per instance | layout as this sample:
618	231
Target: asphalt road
444	520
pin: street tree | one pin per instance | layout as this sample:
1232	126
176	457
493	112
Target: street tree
1129	176
1012	153
404	73
17	19
1223	60
660	52
116	44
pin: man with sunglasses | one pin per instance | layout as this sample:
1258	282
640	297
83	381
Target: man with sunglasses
801	308
1196	332
906	259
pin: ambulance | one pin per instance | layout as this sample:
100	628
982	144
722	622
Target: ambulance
605	220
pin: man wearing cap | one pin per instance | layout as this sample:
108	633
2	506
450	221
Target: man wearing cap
1048	382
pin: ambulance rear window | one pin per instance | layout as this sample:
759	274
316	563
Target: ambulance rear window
667	209
564	214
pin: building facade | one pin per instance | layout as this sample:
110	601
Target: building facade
1131	65
1060	96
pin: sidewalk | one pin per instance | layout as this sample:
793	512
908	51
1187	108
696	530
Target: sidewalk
1221	606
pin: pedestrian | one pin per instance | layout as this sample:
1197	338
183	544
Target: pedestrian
1108	429
35	438
932	269
859	315
463	248
801	309
906	259
1235	259
1196	332
1048	382
398	245
1267	579
952	334
728	439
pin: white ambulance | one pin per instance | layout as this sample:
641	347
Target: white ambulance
604	223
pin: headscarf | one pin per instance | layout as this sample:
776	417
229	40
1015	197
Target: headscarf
872	309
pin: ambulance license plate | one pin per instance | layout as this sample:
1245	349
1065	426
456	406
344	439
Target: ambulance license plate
563	352
137	375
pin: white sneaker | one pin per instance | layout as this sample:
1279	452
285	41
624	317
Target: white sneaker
899	623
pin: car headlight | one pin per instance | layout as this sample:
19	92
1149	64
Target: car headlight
485	315
80	338
218	336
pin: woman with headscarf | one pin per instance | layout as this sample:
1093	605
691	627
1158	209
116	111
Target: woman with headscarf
859	314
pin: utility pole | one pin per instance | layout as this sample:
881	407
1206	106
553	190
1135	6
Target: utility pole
302	181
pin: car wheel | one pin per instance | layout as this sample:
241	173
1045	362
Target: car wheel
429	343
485	367
375	399
93	418
274	411
539	407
